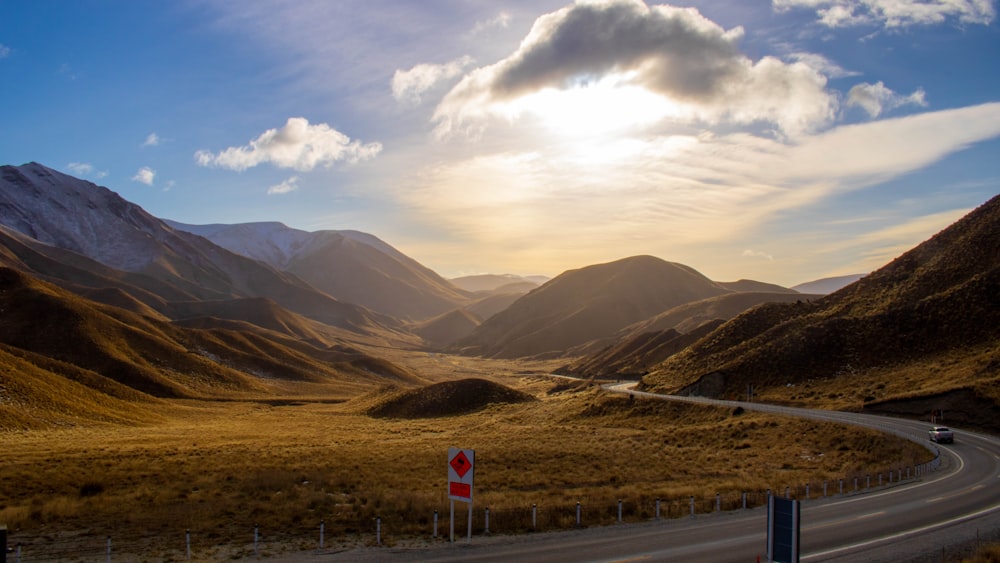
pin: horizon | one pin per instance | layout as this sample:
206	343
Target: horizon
785	142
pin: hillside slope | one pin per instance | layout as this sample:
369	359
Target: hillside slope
118	349
351	266
586	304
926	323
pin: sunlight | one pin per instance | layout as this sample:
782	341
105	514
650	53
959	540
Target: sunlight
607	106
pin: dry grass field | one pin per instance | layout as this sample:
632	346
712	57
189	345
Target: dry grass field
218	468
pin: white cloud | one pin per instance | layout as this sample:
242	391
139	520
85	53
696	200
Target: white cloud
894	13
145	175
675	53
876	98
85	169
80	168
289	185
152	140
297	145
4	51
501	20
748	253
823	65
408	85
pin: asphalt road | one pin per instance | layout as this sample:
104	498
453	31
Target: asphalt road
901	522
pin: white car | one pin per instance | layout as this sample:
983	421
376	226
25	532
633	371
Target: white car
941	435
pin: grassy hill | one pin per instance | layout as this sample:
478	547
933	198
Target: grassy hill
64	341
586	304
925	324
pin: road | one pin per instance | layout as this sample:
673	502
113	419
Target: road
890	523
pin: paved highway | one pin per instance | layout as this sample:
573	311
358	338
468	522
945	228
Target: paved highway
964	488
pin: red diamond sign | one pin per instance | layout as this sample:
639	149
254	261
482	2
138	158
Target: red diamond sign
461	464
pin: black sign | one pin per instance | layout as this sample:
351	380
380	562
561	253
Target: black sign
782	530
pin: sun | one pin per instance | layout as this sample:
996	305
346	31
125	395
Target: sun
600	108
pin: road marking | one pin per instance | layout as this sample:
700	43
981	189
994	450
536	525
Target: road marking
907	533
639	558
977	487
846	520
935	499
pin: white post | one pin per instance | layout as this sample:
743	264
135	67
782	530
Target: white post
788	492
534	517
109	549
824	488
452	526
486	529
718	502
187	541
657	509
692	506
744	495
435	524
469	528
378	530
619	511
879	479
841	486
322	530
256	536
807	491
577	514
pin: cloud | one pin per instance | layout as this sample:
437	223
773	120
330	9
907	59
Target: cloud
85	169
757	254
297	145
893	13
501	20
674	53
408	85
672	195
822	64
289	185
80	168
145	175
876	98
4	51
152	140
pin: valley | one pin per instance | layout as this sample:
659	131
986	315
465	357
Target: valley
286	462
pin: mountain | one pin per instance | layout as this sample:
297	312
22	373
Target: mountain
447	328
827	285
494	282
351	266
88	238
689	316
586	304
925	324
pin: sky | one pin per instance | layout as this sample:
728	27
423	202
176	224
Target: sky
776	140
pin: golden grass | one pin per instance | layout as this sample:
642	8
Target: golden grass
218	468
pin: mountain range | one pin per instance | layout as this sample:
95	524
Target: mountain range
117	300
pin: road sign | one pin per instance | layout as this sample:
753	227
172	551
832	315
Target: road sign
783	525
461	470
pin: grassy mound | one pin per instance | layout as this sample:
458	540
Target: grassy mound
449	398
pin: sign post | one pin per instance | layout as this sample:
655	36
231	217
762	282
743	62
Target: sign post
783	525
461	469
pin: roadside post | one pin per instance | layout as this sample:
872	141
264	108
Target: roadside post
461	469
3	543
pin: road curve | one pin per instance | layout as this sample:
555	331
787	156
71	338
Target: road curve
963	487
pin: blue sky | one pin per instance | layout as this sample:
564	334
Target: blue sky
782	140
